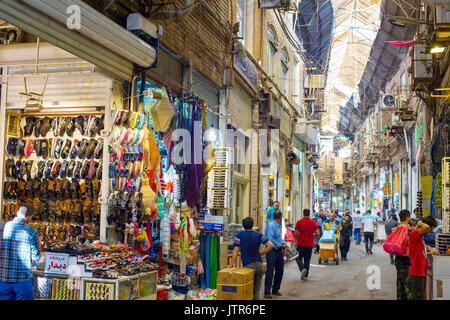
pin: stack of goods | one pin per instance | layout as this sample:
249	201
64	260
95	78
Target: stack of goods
14	148
126	266
114	261
208	294
230	234
59	173
178	279
125	169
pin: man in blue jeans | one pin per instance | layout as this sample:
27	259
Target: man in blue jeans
19	248
275	261
249	242
357	222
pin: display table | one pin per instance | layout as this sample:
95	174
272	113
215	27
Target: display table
69	277
57	287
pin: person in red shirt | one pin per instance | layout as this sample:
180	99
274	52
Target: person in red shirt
305	229
418	258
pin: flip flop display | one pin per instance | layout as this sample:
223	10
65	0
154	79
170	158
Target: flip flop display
49	172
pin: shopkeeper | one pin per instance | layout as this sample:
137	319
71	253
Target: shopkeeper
19	248
249	242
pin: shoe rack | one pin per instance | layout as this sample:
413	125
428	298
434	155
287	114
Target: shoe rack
62	183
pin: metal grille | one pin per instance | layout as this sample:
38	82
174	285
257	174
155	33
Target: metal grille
170	66
210	94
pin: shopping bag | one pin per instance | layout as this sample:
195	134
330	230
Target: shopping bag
162	112
397	242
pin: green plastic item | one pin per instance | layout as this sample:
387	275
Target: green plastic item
213	262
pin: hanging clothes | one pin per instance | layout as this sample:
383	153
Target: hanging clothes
405	44
194	171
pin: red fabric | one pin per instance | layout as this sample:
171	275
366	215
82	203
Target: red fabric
397	242
290	237
417	255
306	228
405	44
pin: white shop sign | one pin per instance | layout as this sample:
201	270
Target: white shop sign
56	263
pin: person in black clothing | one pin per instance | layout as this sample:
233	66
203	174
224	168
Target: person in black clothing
346	231
390	225
402	263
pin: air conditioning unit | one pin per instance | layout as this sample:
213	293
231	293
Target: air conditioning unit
305	132
316	81
388	102
422	63
442	15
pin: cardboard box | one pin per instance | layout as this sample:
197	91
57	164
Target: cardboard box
327	246
235	276
235	292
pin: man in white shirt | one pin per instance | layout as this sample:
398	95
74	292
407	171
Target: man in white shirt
368	228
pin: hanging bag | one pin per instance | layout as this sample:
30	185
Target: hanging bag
162	112
397	242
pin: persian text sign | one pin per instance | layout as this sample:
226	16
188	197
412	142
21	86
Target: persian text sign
244	66
56	263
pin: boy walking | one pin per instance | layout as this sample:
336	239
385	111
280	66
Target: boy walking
419	259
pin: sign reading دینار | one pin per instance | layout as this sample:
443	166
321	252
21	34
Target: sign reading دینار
57	263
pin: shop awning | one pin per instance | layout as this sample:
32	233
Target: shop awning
99	40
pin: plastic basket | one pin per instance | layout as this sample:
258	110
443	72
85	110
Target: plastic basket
446	220
445	196
443	243
445	162
219	199
224	157
220	178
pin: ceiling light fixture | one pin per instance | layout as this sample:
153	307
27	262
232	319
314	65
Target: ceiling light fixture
437	50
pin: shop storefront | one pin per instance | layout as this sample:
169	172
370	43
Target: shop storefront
112	205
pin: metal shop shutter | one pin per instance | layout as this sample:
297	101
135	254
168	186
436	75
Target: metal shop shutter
240	108
63	90
285	127
210	94
169	66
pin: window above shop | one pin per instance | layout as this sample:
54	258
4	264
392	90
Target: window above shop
284	60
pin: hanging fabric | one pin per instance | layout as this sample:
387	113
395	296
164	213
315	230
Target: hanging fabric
405	44
209	151
213	262
218	253
149	234
195	171
208	255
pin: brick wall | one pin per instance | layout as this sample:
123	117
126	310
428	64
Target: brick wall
202	37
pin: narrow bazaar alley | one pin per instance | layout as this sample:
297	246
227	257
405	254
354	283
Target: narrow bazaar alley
222	150
345	281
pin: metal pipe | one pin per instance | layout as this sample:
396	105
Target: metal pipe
179	13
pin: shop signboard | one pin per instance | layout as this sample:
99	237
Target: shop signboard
244	66
56	263
211	222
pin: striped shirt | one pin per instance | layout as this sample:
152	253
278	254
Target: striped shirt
249	243
19	246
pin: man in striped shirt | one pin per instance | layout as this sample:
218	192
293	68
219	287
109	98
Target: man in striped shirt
19	248
248	242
